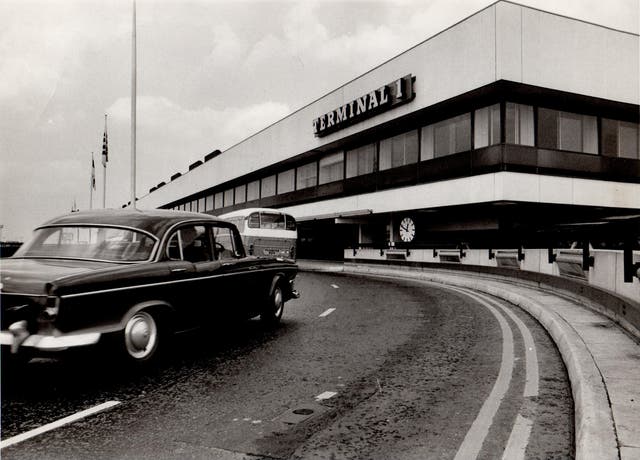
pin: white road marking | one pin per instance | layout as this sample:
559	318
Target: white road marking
326	312
472	444
326	395
335	286
531	354
519	439
57	424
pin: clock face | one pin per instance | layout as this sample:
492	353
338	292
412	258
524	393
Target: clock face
407	229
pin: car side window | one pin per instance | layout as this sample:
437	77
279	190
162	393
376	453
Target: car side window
224	243
190	243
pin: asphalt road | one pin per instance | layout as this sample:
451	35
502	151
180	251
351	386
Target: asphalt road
360	368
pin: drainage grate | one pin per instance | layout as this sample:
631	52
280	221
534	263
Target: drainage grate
300	414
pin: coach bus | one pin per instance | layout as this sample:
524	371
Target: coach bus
266	232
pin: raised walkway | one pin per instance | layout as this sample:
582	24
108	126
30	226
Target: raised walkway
602	360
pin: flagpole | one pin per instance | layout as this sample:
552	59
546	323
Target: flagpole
92	182
105	159
133	110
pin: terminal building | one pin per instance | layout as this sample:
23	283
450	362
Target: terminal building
513	129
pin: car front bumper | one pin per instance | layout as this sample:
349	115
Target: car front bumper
17	337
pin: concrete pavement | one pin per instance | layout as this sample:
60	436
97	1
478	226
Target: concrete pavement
602	360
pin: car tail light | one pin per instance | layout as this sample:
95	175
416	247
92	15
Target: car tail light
52	307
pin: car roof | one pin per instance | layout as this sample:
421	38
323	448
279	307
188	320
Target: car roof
155	221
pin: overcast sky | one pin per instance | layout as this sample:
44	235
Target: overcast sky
210	73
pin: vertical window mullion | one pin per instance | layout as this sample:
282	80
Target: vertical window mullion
503	126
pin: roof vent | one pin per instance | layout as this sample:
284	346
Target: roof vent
195	164
211	155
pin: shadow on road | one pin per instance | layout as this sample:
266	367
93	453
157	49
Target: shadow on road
48	388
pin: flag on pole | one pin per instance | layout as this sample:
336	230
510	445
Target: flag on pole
93	173
105	147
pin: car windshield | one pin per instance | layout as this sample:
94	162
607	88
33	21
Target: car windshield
84	242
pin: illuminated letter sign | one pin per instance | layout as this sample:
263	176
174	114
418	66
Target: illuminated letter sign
374	102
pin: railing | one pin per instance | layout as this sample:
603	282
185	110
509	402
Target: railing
605	269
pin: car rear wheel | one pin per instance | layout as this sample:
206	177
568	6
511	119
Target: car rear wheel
142	336
272	313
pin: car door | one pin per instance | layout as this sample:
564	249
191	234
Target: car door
241	286
195	273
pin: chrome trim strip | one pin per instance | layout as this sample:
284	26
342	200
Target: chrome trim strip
50	342
119	262
22	294
185	280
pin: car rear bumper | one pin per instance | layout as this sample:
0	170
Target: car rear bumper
47	342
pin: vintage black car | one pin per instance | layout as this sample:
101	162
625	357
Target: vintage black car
133	277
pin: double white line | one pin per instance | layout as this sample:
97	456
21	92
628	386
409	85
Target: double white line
519	438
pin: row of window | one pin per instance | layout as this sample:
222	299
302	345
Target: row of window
556	130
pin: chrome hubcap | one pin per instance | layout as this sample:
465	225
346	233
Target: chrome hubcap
141	335
277	302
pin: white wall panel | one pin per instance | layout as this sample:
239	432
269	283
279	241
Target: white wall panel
503	41
508	42
502	186
569	55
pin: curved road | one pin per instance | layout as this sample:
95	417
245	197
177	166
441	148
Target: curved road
361	367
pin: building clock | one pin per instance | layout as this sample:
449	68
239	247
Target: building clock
407	229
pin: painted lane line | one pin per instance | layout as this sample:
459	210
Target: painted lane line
519	439
325	395
326	312
57	424
472	444
521	431
531	386
335	286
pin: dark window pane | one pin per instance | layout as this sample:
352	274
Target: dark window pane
570	132
240	194
268	186
610	137
361	160
253	190
307	176
286	181
271	221
290	222
399	150
547	128
209	203
228	197
254	220
629	141
331	168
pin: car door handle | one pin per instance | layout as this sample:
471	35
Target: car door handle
253	267
178	270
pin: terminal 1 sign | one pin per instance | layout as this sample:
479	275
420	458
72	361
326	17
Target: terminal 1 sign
380	100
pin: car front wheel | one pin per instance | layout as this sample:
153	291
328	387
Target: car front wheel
274	308
141	336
